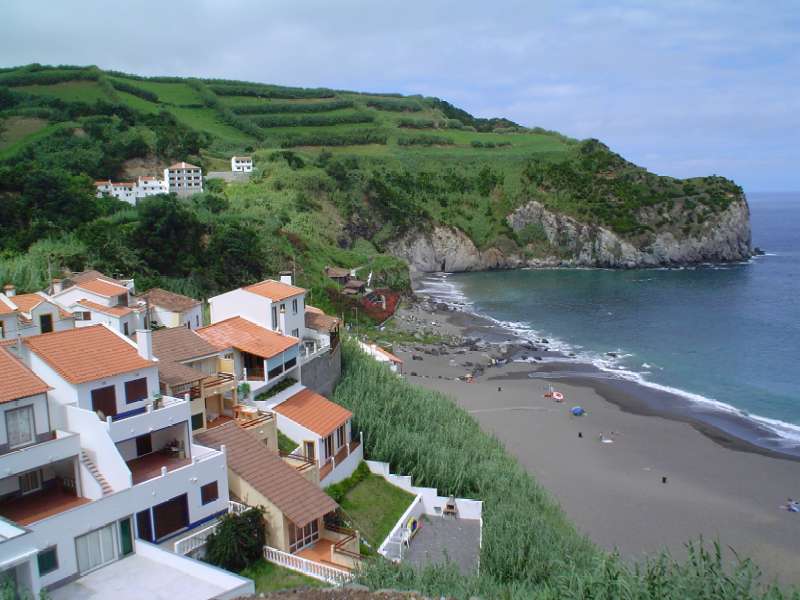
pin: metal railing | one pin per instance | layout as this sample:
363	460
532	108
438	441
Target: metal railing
319	571
305	462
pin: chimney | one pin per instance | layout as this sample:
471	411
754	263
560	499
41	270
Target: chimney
57	286
144	342
10	290
286	277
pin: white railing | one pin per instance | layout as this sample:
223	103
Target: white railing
199	538
310	568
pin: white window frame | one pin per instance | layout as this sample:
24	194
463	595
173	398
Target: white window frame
32	421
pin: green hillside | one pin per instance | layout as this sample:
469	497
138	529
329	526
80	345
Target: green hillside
339	175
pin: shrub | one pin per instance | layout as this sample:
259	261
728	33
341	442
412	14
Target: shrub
324	138
424	140
395	104
313	120
238	541
338	491
294	107
417	123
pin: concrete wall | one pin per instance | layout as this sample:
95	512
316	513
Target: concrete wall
239	303
322	373
168	318
9	327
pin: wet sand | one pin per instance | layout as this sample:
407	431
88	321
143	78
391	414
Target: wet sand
718	485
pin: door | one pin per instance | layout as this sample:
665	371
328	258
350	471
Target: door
96	549
171	516
104	400
46	323
144	527
144	445
329	446
125	537
309	450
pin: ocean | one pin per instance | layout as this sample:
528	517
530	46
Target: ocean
725	336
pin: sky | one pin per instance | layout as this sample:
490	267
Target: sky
684	88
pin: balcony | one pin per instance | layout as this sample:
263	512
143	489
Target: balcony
45	503
340	459
155	465
170	411
63	445
298	462
217	384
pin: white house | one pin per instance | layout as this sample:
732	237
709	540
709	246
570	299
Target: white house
241	164
395	363
168	309
131	191
183	179
275	305
124	319
23	315
114	466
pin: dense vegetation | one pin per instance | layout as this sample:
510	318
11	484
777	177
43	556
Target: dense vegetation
529	548
339	176
238	541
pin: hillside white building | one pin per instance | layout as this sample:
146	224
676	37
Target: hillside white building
183	179
94	464
241	164
168	309
23	315
131	191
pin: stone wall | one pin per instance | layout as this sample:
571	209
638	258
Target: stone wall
322	373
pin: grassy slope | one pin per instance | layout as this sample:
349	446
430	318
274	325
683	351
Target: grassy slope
375	506
272	578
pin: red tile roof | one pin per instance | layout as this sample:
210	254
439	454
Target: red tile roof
5	309
16	380
102	287
274	290
87	353
296	497
169	300
182	165
27	302
246	336
114	311
314	412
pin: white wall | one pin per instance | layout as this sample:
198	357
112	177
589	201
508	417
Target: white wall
98	445
62	529
73	294
84	390
9	327
239	303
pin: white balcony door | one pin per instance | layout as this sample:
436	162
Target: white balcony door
96	549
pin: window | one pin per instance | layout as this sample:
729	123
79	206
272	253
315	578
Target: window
340	436
125	329
294	306
329	446
289	364
19	426
274	317
275	372
83	315
197	320
300	537
197	421
135	390
30	481
144	445
209	493
46	323
296	333
2	329
48	560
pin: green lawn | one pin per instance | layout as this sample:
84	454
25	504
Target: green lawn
15	129
69	91
269	577
374	505
171	93
10	149
285	443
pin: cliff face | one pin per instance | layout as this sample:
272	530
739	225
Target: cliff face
723	237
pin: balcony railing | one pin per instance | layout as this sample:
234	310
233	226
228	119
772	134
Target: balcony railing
319	571
300	462
62	445
198	539
168	411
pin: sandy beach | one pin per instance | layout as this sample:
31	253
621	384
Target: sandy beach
717	485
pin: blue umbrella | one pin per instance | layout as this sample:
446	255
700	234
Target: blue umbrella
578	411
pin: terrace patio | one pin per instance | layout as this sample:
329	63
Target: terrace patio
446	538
149	466
36	506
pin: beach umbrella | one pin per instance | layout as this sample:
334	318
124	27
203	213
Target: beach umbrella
578	411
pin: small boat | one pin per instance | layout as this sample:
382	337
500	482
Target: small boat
557	396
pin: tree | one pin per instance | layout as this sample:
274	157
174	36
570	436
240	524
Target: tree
168	236
238	541
236	256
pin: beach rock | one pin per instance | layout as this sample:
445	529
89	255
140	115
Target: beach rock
416	357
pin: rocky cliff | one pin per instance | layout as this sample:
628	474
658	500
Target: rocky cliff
723	237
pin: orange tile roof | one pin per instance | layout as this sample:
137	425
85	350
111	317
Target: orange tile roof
87	353
27	302
314	412
5	308
102	287
16	380
114	311
274	290
246	336
169	300
295	496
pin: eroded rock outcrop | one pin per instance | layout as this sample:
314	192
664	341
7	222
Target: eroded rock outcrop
722	237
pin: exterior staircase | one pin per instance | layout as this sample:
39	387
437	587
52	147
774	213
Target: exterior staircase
98	476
